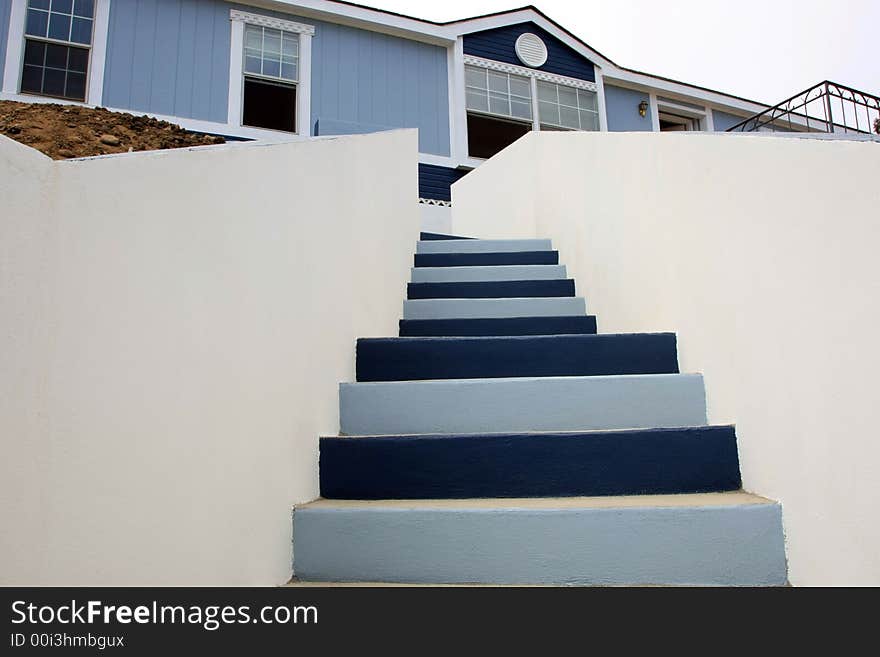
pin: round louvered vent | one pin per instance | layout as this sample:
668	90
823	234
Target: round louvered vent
531	50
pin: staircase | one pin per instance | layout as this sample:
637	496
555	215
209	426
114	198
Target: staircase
501	440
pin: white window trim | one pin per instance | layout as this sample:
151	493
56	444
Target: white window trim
530	73
236	68
12	67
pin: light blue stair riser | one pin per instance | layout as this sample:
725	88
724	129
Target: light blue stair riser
488	273
522	404
693	545
482	246
472	308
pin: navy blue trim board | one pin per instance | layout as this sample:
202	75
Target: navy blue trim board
574	324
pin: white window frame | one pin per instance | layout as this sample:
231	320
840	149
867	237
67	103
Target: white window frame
237	74
559	104
14	64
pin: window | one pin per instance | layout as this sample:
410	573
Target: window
271	74
499	109
565	107
58	37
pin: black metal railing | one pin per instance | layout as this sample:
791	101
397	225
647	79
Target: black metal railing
827	107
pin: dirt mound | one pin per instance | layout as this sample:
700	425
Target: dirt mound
65	131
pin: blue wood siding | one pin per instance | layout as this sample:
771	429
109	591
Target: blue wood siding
499	44
365	81
169	57
622	109
435	181
723	120
5	6
172	57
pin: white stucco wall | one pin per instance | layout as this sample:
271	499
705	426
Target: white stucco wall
175	326
762	255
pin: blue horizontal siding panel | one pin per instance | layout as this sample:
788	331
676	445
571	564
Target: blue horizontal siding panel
499	44
478	259
5	10
418	359
640	462
365	81
169	57
573	325
557	287
722	120
622	109
435	182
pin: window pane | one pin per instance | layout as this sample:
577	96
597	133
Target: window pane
587	99
289	45
56	56
497	82
59	27
39	4
589	120
37	23
34	53
546	91
85	8
569	117
76	86
271	42
82	31
78	59
252	64
32	79
53	82
567	96
253	37
499	104
520	87
477	101
548	112
521	110
288	71
271	67
475	77
63	6
269	105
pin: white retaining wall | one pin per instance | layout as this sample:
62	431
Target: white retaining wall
175	325
762	255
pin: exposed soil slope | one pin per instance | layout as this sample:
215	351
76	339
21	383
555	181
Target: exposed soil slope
65	131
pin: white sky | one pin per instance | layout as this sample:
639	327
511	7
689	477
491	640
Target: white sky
762	50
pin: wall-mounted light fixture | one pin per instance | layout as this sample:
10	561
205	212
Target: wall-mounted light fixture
643	108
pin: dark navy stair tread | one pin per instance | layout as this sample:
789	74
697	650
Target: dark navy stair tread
620	462
499	326
479	259
441	236
555	287
421	358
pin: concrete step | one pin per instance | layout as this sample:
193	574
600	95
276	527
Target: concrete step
409	359
560	287
575	324
482	246
484	259
476	308
723	539
522	404
496	273
684	460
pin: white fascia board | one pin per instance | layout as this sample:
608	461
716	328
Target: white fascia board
374	20
643	82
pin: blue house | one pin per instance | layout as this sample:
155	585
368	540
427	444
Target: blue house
287	69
